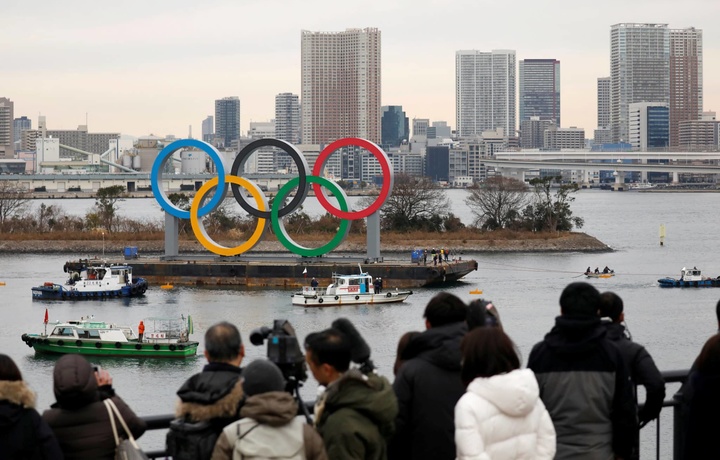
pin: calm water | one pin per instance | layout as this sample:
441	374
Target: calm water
672	323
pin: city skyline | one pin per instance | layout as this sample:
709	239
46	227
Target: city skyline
156	68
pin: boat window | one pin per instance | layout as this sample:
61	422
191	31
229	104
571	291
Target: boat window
83	334
93	334
63	331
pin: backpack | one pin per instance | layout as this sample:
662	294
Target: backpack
188	440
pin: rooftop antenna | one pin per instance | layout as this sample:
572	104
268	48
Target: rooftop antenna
189	131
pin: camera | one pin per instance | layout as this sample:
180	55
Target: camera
283	349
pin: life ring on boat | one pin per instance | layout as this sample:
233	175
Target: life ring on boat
156	347
60	342
181	347
143	289
388	294
78	343
320	300
138	346
315	296
118	345
98	345
336	297
357	297
172	347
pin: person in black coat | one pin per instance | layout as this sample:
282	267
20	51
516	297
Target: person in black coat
428	384
79	418
24	435
703	422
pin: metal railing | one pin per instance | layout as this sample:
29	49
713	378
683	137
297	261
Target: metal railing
162	422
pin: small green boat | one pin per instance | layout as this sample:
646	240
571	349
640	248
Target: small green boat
168	339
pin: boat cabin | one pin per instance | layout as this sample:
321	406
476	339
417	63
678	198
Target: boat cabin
351	285
690	274
92	330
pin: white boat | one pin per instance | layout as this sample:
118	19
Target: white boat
354	289
642	186
94	281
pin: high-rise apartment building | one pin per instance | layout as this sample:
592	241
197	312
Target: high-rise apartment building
603	102
648	125
395	126
485	92
639	70
287	117
532	132
207	129
19	125
7	137
341	85
686	79
539	89
227	120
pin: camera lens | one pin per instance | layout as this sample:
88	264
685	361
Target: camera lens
258	335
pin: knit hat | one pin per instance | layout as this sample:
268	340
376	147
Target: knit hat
262	376
74	382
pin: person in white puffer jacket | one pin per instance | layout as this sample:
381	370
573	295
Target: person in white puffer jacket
501	416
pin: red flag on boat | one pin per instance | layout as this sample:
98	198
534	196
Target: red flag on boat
46	316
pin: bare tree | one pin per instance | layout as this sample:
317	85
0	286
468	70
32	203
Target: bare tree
13	200
497	202
416	203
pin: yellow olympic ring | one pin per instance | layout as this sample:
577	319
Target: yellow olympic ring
199	228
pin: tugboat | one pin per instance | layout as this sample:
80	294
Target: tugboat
97	281
169	339
355	289
690	277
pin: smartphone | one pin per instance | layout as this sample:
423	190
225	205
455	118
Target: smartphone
97	368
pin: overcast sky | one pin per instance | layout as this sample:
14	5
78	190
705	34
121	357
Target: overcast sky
156	66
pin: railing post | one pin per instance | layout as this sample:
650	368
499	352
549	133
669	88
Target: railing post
678	433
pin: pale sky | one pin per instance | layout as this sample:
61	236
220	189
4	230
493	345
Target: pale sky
157	66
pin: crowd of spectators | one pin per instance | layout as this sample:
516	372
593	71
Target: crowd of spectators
459	392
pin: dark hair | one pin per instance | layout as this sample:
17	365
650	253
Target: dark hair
330	347
402	345
487	351
579	299
8	369
445	308
708	361
611	305
482	313
222	342
717	311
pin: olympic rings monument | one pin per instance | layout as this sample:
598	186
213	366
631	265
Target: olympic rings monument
228	267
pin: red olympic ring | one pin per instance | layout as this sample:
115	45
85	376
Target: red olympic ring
384	164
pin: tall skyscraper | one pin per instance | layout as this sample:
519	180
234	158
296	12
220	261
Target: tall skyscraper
686	79
639	70
287	117
341	85
207	129
603	102
7	138
485	92
227	120
395	126
539	87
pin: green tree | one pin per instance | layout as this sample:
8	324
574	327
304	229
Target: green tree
416	203
48	217
105	214
551	211
13	200
497	202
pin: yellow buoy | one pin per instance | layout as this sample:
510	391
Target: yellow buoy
166	286
476	291
2	283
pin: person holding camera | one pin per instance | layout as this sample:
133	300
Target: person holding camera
269	427
356	413
210	400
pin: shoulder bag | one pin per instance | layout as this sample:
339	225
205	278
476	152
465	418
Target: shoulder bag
127	449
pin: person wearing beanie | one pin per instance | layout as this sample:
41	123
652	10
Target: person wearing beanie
79	418
269	426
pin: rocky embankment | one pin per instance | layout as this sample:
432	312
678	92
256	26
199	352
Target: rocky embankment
564	242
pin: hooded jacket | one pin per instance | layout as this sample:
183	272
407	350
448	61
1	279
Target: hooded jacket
79	418
643	371
428	385
270	428
23	433
502	417
356	416
215	395
586	388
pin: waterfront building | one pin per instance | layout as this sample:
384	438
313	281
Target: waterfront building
602	136
266	160
484	91
395	126
564	138
419	128
539	89
227	121
703	134
437	163
639	70
341	85
603	102
532	132
412	164
648	125
80	138
207	129
19	125
439	130
7	137
287	117
686	79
